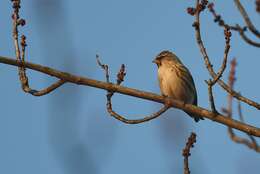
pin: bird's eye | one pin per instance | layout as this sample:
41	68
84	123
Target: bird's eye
159	64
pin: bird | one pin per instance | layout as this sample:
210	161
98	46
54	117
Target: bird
175	80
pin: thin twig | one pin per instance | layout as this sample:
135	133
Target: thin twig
210	82
104	67
238	28
252	144
218	18
224	63
211	98
245	38
208	64
46	90
136	121
253	141
20	55
246	18
121	75
120	78
186	152
257	6
195	110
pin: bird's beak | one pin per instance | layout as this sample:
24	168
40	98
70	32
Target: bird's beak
155	61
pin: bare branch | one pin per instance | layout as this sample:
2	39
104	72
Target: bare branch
45	90
136	121
120	78
252	144
136	93
210	82
218	18
121	75
238	28
257	4
249	41
186	152
211	98
224	63
246	18
20	56
104	67
208	64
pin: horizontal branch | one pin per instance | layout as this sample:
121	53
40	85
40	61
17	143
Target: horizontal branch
136	93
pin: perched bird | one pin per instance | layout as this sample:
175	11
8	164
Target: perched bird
175	80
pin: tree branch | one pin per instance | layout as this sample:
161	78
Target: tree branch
20	55
136	93
120	78
251	143
245	38
211	98
212	82
257	4
208	64
186	152
238	28
246	18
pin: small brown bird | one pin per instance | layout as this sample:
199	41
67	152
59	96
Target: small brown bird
175	80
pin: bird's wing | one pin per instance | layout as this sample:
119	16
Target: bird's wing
185	75
189	80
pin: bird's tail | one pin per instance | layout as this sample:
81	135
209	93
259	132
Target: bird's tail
195	117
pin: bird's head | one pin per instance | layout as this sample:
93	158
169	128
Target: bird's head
165	57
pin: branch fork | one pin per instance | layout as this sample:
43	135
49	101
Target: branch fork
20	55
216	77
120	78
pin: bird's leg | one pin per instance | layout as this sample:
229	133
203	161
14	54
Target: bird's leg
167	101
211	99
165	96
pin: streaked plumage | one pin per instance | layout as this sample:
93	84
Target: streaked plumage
175	79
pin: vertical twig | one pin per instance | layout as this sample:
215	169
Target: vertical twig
20	55
257	5
196	11
229	111
186	152
120	78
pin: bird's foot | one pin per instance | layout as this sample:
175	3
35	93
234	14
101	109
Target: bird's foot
215	112
167	101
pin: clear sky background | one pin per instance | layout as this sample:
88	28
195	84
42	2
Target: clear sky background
69	130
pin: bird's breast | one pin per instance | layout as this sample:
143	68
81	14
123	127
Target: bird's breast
172	85
168	80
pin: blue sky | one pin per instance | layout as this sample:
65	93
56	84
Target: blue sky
69	131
